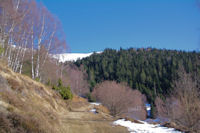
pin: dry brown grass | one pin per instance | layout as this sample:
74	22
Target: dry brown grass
175	126
78	99
12	99
15	85
133	120
81	119
21	123
102	108
5	124
77	103
27	106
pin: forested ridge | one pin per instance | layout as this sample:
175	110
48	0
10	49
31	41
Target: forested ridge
151	71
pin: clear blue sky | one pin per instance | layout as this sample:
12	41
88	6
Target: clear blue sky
93	25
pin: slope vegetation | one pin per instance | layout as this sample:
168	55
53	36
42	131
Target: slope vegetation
29	106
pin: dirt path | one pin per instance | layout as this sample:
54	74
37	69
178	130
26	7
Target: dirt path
81	120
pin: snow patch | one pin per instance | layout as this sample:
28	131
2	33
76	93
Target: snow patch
93	111
144	128
97	104
72	56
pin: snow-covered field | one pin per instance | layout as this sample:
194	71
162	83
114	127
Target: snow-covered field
144	128
71	56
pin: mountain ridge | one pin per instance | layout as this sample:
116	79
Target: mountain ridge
72	56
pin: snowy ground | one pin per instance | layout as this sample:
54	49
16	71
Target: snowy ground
93	111
139	128
95	103
144	128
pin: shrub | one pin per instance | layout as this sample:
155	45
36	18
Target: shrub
1	50
37	79
90	97
120	99
48	83
65	92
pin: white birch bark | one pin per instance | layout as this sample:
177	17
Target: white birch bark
19	53
39	47
32	52
24	51
10	33
49	46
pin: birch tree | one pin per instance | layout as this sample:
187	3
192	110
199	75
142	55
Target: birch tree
12	25
28	26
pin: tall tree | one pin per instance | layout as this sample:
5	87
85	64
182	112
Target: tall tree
27	26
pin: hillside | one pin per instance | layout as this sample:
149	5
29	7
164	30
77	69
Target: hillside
29	106
151	71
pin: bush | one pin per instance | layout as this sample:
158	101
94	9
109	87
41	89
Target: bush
120	99
90	97
48	83
1	50
37	79
65	92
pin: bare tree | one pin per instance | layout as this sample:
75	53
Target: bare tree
77	79
28	26
48	35
14	12
118	98
183	106
14	30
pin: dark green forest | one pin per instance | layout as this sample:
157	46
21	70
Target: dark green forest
151	71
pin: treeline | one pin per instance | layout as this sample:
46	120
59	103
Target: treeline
151	71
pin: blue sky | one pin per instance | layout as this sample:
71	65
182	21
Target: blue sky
93	25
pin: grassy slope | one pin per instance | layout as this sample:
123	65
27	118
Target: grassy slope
29	106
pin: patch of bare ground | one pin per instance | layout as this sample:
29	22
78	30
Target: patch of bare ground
175	126
81	119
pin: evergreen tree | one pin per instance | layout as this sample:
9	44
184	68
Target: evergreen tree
65	92
149	70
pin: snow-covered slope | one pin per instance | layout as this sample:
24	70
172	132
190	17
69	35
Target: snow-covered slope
144	128
71	56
